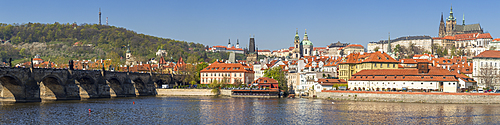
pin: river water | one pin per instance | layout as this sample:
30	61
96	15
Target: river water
227	110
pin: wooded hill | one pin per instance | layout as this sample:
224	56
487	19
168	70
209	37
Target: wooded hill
56	42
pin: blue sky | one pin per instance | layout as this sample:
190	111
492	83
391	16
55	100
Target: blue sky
213	22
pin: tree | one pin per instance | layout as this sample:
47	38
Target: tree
279	75
397	49
376	48
489	75
342	53
493	48
215	87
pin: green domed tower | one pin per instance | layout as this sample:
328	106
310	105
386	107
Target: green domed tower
307	46
297	50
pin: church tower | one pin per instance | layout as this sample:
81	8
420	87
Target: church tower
442	28
128	56
237	43
450	23
229	44
297	50
252	54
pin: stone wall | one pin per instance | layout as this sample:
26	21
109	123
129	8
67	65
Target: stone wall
420	97
225	92
185	92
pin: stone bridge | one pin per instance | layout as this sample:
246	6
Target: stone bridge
37	84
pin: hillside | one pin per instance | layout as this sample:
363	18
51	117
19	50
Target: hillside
56	42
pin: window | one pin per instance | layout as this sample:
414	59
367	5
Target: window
387	65
431	83
393	65
375	64
421	83
412	83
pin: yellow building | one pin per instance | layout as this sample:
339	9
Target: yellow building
355	62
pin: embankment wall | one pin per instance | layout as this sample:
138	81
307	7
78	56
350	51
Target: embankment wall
420	97
190	92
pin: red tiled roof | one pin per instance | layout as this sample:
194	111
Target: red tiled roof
228	67
463	68
488	54
263	51
484	36
331	81
355	45
495	40
319	48
265	80
435	74
469	36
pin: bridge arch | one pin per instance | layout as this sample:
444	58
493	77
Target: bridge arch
140	86
52	88
88	87
11	88
117	87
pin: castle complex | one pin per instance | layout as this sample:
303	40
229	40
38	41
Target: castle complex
451	28
469	39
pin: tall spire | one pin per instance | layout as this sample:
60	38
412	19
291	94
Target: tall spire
297	34
305	35
229	41
451	18
442	17
463	19
389	44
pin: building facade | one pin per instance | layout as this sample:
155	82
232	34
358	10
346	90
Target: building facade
487	69
421	79
227	72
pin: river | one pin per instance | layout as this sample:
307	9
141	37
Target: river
227	110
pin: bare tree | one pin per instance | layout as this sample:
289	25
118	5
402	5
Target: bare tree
489	75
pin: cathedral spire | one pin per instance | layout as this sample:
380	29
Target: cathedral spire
451	18
463	19
442	17
389	44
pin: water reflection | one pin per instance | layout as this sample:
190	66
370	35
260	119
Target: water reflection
226	110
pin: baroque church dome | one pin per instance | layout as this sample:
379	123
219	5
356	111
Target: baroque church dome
306	42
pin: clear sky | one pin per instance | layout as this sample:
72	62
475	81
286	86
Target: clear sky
273	22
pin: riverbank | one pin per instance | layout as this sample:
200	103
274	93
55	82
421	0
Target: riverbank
418	97
190	92
202	92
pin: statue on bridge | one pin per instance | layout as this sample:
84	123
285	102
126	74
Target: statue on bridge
70	64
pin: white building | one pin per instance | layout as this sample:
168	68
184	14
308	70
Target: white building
487	68
423	78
